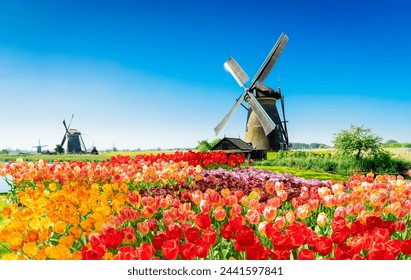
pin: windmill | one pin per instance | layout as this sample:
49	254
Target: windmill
264	128
75	143
39	147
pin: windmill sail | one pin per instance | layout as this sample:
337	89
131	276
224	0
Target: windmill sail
218	128
236	71
265	120
271	59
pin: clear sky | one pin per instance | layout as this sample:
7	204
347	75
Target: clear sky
149	74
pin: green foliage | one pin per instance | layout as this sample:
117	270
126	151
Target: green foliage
357	142
326	161
391	142
303	173
299	146
4	152
396	145
59	149
214	142
203	146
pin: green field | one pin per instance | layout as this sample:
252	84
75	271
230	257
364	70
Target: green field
306	174
71	157
397	152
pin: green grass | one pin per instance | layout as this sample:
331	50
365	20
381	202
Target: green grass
3	221
327	161
306	174
75	157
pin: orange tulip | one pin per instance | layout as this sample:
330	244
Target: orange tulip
322	219
269	213
219	213
253	216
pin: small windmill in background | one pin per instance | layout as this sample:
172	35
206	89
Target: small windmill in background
39	147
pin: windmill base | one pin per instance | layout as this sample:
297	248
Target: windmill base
255	132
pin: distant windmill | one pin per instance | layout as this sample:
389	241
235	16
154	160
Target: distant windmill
39	147
75	143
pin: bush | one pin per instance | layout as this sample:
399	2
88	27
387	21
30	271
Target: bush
383	163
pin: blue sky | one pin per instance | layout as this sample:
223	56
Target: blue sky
150	74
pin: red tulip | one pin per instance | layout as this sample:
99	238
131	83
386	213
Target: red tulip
281	254
343	252
245	236
359	243
145	251
341	235
152	224
202	220
188	251
271	230
380	234
158	241
174	231
129	213
192	234
357	227
209	235
375	254
306	254
406	246
170	249
126	253
373	222
258	252
202	248
337	223
129	234
226	231
323	245
92	254
111	238
400	226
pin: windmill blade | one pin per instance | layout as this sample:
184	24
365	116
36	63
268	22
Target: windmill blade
236	71
271	59
265	120
82	142
72	116
64	140
65	126
218	128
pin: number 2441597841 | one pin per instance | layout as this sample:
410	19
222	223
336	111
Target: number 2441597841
251	270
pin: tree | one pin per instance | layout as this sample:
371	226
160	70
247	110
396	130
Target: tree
59	149
357	141
214	142
203	146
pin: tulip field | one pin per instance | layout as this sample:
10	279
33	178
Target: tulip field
194	205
